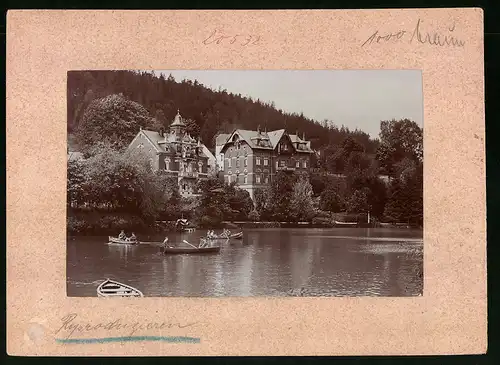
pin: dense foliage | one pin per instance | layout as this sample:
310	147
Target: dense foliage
106	109
208	111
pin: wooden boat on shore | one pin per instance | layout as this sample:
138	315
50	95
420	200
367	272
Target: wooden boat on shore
190	250
345	223
111	288
122	242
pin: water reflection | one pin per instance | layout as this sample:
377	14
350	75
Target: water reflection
269	262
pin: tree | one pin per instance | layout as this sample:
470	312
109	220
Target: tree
282	191
358	203
262	198
301	204
395	209
239	201
114	120
330	200
317	183
192	128
76	182
399	139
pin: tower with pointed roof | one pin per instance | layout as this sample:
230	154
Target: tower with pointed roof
178	127
176	153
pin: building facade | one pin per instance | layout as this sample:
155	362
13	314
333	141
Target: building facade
176	153
252	158
220	141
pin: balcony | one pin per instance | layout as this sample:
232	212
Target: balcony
188	174
285	168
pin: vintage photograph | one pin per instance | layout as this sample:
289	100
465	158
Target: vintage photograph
225	183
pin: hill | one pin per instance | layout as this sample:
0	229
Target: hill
212	111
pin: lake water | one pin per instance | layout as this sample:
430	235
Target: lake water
267	262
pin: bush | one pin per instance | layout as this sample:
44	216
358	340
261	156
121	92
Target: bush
76	225
254	216
321	221
322	214
209	222
95	224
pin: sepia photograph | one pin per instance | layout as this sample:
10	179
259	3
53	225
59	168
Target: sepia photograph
225	183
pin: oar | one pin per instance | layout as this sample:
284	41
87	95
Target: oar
189	244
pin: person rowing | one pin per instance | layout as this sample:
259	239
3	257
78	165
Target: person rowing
165	242
132	238
122	235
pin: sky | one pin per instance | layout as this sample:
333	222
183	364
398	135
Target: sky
354	98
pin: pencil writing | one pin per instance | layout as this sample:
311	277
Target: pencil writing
419	34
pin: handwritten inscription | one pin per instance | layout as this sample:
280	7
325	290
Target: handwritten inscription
70	326
418	35
218	37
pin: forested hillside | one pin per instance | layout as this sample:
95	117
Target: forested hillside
211	111
106	109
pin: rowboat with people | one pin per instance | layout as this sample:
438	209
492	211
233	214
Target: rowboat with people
122	241
203	247
226	234
112	288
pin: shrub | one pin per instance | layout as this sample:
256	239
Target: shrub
254	216
321	214
320	221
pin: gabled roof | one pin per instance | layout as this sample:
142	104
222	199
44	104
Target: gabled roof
275	136
221	139
251	138
153	137
207	152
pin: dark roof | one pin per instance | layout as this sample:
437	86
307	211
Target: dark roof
272	138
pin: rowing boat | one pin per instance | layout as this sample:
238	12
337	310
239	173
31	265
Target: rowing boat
123	242
111	288
190	250
236	236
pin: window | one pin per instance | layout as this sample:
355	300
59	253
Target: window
237	162
304	164
245	162
257	161
266	162
184	187
276	163
229	179
257	179
229	162
200	166
297	164
167	164
245	180
222	156
282	163
266	179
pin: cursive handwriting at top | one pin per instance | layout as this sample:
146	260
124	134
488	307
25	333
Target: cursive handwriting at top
418	35
218	37
70	326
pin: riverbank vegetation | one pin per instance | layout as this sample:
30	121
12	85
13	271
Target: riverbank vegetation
352	176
